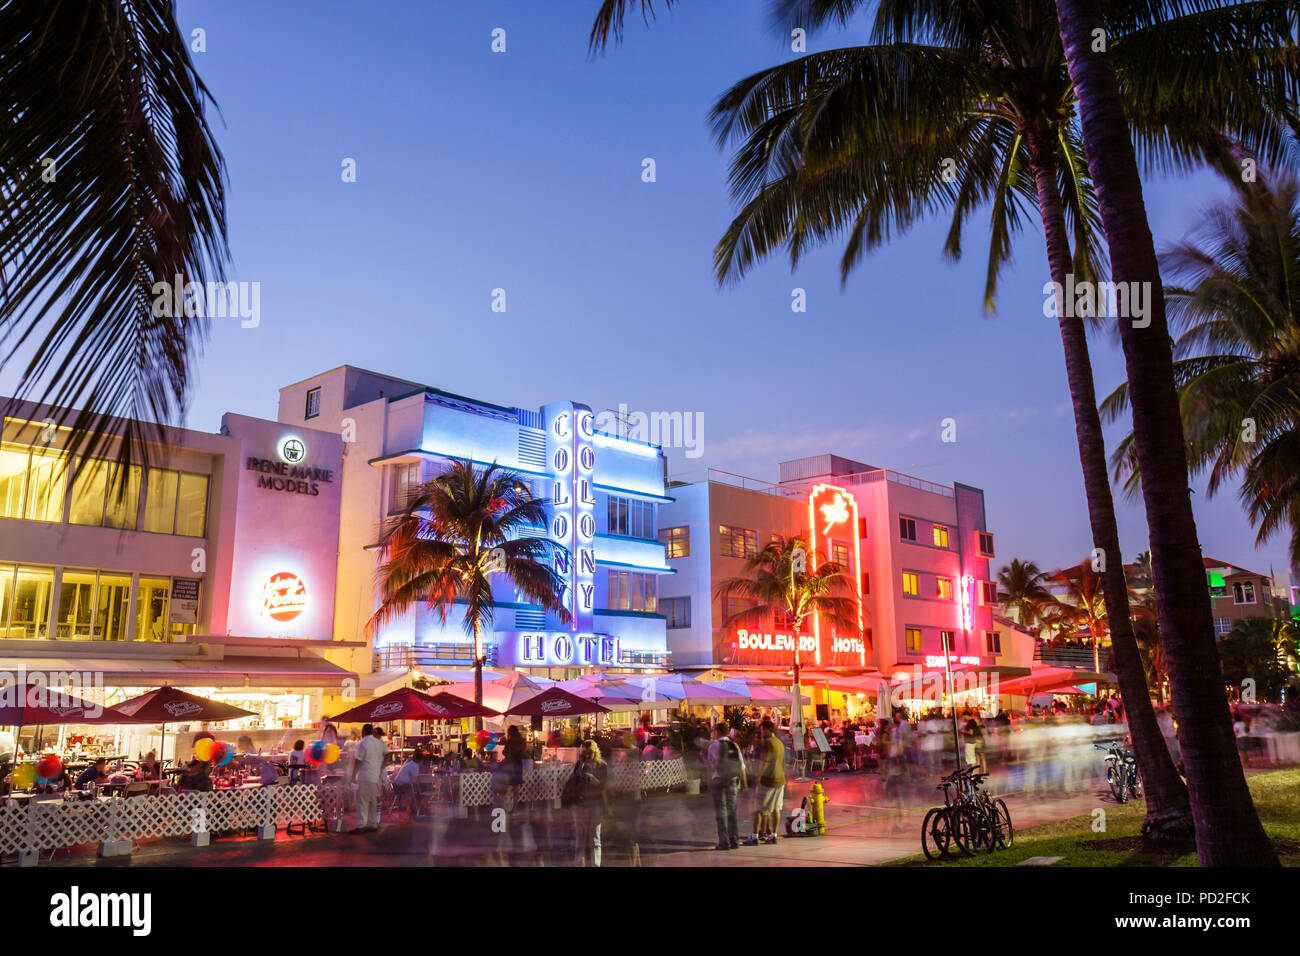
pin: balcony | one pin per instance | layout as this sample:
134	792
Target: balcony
407	656
1078	658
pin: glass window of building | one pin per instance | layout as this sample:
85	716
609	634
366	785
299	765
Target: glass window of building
192	505
940	536
618	515
46	478
737	542
313	402
160	501
113	602
632	591
1243	592
406	485
912	636
992	642
735	605
910	583
89	486
122	503
907	528
677	611
151	609
77	606
676	541
986	544
840	555
13	479
33	588
944	588
6	599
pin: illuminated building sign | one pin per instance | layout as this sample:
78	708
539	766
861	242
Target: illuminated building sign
571	460
284	596
746	641
936	660
833	511
562	649
281	476
967	598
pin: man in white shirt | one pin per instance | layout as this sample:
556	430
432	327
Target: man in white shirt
369	767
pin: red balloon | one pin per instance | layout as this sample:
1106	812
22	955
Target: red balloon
49	766
483	737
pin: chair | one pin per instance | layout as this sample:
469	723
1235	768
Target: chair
140	788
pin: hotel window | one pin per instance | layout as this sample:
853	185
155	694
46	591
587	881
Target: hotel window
911	585
406	485
25	601
985	544
866	582
150	608
631	518
912	637
946	640
632	591
940	536
907	528
1243	592
176	503
677	611
100	498
676	541
992	642
1222	625
313	402
943	588
737	542
840	555
988	593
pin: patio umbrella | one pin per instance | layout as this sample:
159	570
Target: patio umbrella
689	690
616	696
407	704
166	705
556	702
504	692
35	704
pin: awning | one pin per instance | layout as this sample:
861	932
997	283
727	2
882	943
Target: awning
1043	679
307	672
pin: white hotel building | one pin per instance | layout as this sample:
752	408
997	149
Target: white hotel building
606	491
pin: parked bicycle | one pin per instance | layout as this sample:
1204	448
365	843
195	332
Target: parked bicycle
970	819
1121	771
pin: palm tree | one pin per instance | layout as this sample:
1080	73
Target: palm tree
788	582
954	105
1261	650
460	528
1237	355
1228	831
1021	589
110	181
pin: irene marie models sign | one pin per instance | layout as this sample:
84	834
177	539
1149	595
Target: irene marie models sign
286	472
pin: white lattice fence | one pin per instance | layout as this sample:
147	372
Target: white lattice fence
546	782
46	825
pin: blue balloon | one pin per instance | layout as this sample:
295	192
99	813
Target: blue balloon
492	742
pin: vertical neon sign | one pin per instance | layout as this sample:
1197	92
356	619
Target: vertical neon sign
572	462
829	508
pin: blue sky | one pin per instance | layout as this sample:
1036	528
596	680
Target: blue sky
522	170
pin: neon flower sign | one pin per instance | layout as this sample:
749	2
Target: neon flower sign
837	507
967	596
284	596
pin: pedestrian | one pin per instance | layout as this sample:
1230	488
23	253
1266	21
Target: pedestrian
367	772
584	793
727	776
771	787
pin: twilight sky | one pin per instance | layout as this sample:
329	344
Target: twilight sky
522	171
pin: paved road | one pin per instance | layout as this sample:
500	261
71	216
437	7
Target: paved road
865	826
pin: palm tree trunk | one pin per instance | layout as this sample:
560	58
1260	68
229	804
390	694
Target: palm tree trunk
478	672
1228	831
1168	822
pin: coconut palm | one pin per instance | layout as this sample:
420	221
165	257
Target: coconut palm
1021	589
953	106
1228	831
1237	356
460	528
110	181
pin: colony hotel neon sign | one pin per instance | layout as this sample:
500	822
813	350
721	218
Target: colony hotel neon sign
570	429
540	649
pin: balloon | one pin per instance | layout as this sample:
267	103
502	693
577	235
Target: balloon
331	753
203	749
472	743
316	752
492	742
483	737
49	767
222	753
24	776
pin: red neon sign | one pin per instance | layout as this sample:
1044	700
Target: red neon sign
831	508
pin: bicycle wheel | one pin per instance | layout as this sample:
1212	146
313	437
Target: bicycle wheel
1117	787
935	836
1135	784
966	830
1003	832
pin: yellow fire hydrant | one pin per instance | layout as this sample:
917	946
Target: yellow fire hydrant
818	802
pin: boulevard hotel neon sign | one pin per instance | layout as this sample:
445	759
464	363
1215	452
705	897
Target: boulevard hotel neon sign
830	510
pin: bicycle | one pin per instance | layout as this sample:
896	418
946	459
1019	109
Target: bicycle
968	819
996	815
1121	772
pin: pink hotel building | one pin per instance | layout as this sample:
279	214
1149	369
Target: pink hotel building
919	552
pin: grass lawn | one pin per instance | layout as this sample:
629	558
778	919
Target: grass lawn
1277	798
